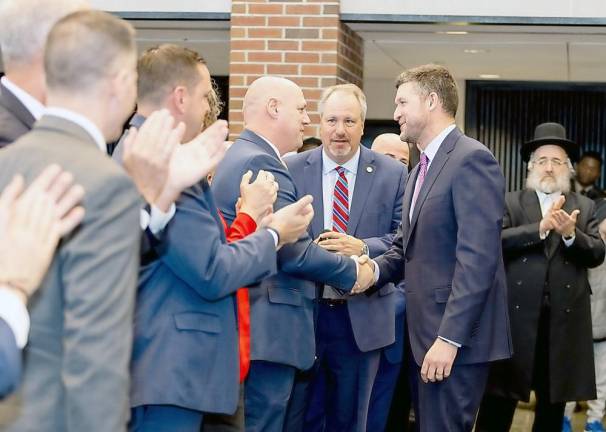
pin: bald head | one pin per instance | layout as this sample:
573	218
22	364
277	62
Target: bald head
390	145
275	108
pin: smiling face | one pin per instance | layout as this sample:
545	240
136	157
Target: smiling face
341	126
411	113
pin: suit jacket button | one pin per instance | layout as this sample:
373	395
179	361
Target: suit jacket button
517	306
568	286
518	283
567	310
524	259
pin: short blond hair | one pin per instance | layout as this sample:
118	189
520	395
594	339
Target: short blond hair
432	78
351	89
86	47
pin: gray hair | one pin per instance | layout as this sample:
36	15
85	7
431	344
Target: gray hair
351	89
25	26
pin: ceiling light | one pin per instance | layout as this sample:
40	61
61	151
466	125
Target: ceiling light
453	32
475	51
490	76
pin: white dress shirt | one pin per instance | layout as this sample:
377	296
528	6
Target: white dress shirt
14	313
329	179
33	105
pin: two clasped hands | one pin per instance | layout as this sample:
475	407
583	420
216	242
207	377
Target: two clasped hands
345	244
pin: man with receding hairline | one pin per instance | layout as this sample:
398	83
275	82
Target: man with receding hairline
391	145
282	331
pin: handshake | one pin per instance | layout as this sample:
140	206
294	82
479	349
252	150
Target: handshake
366	274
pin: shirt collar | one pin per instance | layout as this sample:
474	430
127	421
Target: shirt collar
351	165
81	121
33	105
275	149
543	197
433	147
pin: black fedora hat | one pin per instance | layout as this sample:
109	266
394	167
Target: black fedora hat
550	133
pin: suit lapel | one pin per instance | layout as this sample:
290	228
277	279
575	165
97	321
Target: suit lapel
364	180
531	206
15	106
313	186
407	199
433	173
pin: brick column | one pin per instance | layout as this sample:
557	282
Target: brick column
304	41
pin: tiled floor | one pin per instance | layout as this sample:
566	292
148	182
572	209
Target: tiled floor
522	421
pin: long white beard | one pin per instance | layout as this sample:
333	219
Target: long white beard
548	185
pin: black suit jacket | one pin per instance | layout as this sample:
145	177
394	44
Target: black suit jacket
534	266
15	118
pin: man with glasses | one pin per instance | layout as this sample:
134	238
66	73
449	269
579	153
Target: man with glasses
550	237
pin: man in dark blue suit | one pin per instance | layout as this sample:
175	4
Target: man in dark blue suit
351	330
185	353
449	248
282	330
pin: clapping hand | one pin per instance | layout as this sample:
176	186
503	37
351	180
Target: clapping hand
257	198
31	223
290	222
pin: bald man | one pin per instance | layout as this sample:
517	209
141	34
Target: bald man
391	145
282	330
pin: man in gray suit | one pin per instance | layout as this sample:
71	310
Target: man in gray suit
76	364
31	223
25	25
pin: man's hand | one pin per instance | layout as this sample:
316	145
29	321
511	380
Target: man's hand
193	161
148	152
438	361
548	222
564	223
291	221
31	224
341	243
257	198
366	275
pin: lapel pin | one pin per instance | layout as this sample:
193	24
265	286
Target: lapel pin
369	169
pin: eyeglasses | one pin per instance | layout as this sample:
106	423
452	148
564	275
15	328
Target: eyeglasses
554	161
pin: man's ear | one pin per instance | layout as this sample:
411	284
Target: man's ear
433	100
179	97
272	107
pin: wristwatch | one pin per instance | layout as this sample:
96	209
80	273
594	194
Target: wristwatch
365	250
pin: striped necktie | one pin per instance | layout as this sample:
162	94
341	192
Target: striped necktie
340	202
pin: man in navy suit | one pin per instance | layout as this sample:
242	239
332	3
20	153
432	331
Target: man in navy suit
282	329
449	248
185	353
351	330
31	223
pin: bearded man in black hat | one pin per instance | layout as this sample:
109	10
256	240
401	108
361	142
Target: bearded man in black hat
550	237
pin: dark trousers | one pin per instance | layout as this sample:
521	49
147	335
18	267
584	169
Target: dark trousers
226	422
343	377
162	418
496	413
450	405
266	394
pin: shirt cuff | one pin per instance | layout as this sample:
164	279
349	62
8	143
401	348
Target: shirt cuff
458	345
14	312
273	235
569	242
377	271
158	220
544	235
355	259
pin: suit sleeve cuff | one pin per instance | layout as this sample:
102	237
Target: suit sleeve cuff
14	312
458	345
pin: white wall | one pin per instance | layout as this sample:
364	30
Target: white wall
215	6
510	8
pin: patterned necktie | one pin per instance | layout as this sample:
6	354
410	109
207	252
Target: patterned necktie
420	179
340	202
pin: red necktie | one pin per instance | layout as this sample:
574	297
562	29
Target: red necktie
242	226
340	202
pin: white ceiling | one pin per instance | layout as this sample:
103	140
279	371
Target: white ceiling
542	53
